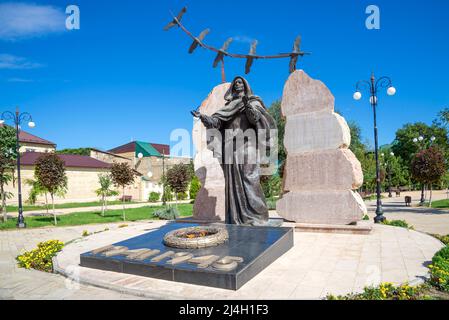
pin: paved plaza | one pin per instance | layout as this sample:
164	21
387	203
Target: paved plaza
318	264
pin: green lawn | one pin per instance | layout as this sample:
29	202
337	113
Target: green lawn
65	205
440	204
92	217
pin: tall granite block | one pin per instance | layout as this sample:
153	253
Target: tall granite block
336	169
321	172
210	200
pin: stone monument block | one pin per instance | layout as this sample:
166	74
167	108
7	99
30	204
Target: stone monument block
210	200
316	131
321	172
336	169
303	94
322	206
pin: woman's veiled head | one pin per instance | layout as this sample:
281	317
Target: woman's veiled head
238	85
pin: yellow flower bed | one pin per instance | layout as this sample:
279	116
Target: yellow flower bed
385	291
41	257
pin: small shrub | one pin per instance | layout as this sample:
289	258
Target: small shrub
170	213
385	291
195	186
182	196
439	269
154	197
41	257
271	204
365	217
85	233
398	223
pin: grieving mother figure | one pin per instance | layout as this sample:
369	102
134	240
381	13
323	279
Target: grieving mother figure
245	113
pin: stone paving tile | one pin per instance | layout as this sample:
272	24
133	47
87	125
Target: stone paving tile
303	292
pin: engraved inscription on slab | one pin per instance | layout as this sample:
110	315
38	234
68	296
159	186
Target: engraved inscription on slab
160	257
180	257
115	251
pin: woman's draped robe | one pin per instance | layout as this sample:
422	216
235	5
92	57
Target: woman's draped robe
245	200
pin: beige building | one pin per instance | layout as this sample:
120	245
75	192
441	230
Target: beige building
150	160
82	177
83	171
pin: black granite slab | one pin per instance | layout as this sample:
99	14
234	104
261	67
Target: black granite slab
258	246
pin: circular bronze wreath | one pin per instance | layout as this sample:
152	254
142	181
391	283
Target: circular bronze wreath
196	237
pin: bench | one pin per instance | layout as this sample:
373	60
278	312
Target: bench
126	198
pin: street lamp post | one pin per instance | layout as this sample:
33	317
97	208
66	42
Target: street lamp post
373	86
18	118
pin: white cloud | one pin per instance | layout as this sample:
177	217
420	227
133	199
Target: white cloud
19	80
23	20
243	39
9	61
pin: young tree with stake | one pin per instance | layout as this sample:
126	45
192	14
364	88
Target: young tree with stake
122	175
50	173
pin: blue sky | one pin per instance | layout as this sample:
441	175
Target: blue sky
120	77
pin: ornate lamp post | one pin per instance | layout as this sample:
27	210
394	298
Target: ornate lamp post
18	118
373	86
423	144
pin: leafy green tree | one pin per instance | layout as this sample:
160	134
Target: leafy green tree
8	157
195	186
122	175
36	190
50	173
105	191
178	178
77	151
428	166
404	147
276	112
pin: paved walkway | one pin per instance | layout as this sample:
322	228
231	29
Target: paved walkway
422	218
19	283
318	264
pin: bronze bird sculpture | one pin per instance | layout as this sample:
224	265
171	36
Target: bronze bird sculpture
198	40
250	58
295	53
222	52
176	20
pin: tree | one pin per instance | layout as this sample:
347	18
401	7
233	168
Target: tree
105	191
8	157
404	147
178	178
195	186
78	151
50	173
428	166
122	175
36	190
276	112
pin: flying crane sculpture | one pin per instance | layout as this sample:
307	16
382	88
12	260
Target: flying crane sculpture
223	51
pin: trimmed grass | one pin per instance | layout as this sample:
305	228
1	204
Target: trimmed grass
440	204
93	217
65	205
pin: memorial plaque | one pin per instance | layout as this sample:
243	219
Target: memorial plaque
230	265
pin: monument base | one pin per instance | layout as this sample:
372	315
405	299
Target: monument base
361	227
248	251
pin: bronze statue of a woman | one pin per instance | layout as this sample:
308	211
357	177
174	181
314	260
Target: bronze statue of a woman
242	113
